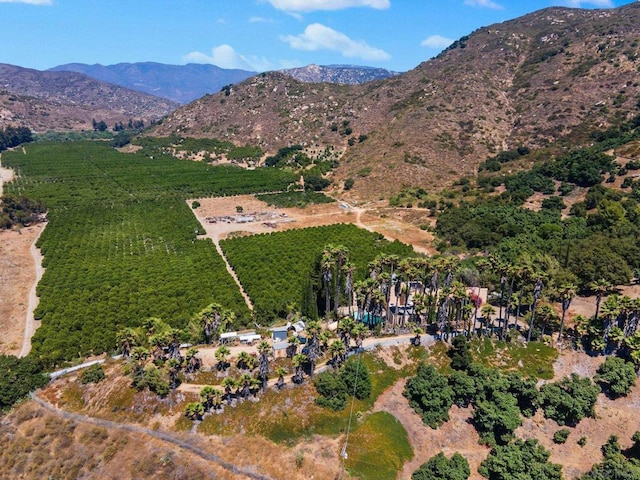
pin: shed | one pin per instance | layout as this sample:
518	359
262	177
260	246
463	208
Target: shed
279	334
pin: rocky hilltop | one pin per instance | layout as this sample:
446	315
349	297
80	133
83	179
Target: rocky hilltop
70	101
554	73
343	74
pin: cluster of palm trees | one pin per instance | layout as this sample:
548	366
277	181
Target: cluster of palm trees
614	327
154	351
253	374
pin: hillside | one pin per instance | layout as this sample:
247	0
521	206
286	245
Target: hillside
550	74
70	101
179	83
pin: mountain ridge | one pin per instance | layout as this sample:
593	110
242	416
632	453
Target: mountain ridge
532	80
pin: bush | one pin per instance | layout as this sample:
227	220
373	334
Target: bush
440	467
356	378
569	400
460	353
348	183
92	374
18	377
332	391
497	419
526	460
616	376
430	395
561	436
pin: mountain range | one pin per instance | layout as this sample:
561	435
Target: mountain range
71	101
553	74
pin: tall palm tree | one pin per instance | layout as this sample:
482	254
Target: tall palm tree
537	291
341	258
327	263
601	288
313	329
193	362
265	350
346	331
565	294
359	333
214	318
128	338
610	312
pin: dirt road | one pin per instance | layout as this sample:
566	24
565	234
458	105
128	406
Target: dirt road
30	324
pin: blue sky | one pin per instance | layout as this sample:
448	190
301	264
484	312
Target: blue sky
250	34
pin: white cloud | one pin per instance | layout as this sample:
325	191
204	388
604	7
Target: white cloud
436	41
595	3
30	2
313	5
260	20
224	56
484	3
318	37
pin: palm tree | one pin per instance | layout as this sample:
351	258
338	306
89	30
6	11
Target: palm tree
243	362
280	372
313	329
244	384
299	360
229	383
194	411
337	350
565	295
611	310
206	397
359	333
221	356
216	399
324	338
193	362
128	338
265	350
173	368
327	263
417	331
601	288
487	312
537	290
345	331
292	348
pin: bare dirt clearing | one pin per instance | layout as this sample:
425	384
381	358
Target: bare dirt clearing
314	215
17	277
